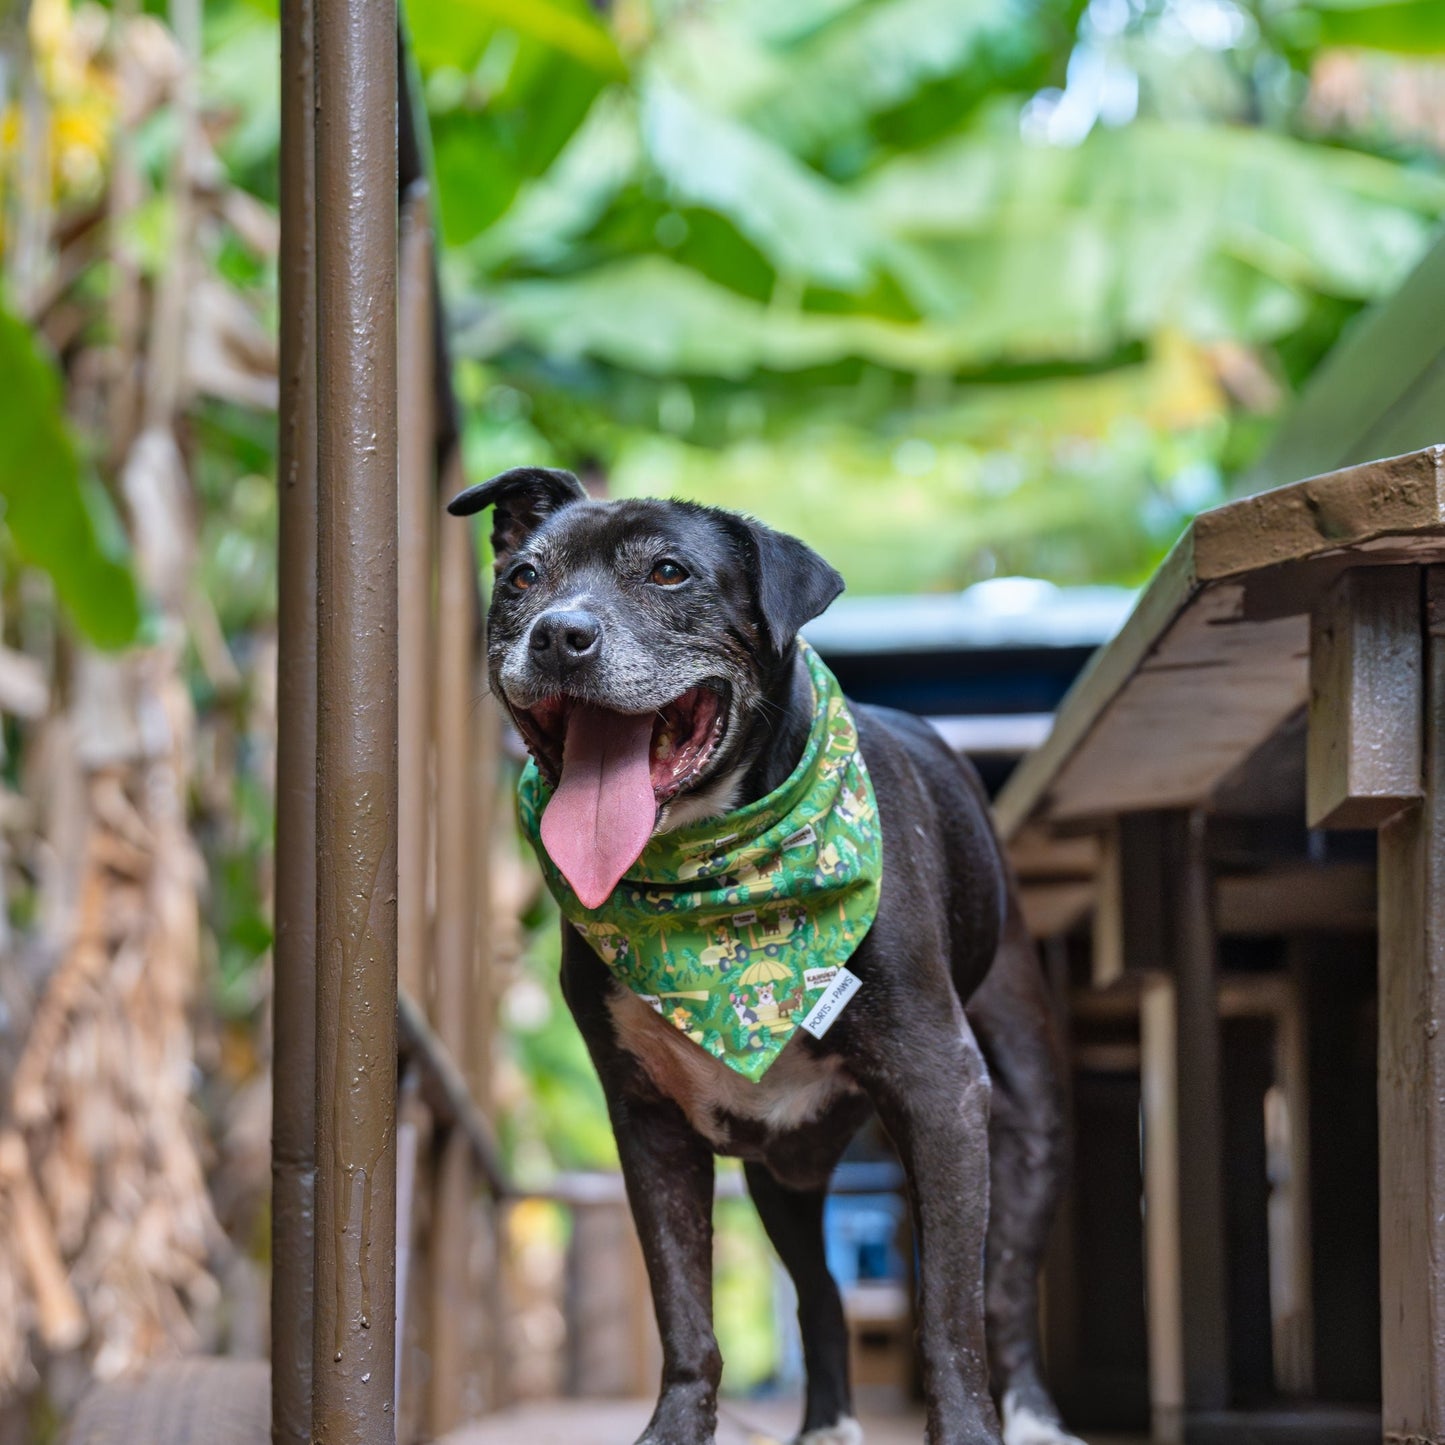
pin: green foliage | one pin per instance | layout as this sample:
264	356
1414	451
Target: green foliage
458	32
56	514
1409	27
801	235
508	82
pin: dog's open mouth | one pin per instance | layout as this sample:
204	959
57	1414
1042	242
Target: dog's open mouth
683	735
613	772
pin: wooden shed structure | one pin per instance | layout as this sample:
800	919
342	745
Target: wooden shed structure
1230	839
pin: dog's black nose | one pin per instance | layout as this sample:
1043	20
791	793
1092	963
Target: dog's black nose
568	636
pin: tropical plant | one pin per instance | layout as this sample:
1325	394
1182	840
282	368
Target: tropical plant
1076	251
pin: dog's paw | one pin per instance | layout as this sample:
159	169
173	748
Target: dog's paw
846	1432
1023	1426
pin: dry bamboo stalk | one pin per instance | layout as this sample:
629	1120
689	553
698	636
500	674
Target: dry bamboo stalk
86	959
62	1321
117	1195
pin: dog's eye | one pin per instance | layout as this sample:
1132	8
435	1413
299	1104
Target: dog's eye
523	577
668	574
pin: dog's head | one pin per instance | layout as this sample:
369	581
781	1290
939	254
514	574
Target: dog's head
633	642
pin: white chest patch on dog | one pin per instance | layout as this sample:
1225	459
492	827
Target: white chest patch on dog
792	1093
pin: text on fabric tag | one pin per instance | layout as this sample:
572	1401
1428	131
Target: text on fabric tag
820	1017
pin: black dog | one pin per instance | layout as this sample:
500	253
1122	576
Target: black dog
690	614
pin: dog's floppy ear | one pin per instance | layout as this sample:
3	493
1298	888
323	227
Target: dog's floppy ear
520	499
791	581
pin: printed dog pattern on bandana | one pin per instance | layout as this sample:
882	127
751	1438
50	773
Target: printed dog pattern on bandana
733	928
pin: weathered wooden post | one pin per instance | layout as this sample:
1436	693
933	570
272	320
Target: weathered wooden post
1377	757
455	934
1158	927
293	1129
356	780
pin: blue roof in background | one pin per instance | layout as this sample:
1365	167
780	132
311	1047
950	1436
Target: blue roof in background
1003	613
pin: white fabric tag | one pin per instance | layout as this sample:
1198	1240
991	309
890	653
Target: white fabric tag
840	991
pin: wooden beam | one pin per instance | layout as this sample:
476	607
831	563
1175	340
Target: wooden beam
293	1061
1165	923
1186	907
1060	1303
1130	931
1132	732
416	511
1412	1078
1365	698
1106	956
1054	909
454	935
1298	898
1292	1284
444	1088
1163	1228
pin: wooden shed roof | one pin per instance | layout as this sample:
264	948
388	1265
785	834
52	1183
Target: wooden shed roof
1214	658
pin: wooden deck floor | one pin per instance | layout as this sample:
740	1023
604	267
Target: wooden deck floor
573	1422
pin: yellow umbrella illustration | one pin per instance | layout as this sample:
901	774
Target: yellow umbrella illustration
765	970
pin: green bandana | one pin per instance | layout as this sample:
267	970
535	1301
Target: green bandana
733	928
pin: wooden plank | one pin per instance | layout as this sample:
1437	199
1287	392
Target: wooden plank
454	936
416	508
1106	957
1188	910
1292	1284
445	1090
1297	898
1163	1228
1213	691
1039	853
1365	699
740	1422
1051	909
1398	496
1130	932
1196	678
1167	924
1106	674
1061	1323
1412	1079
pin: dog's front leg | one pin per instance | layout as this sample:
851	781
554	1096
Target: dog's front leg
669	1173
668	1169
932	1093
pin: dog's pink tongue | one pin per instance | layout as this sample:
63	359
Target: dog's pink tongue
603	811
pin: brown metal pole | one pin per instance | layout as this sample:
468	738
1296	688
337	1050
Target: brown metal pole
456	633
293	1064
356	239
